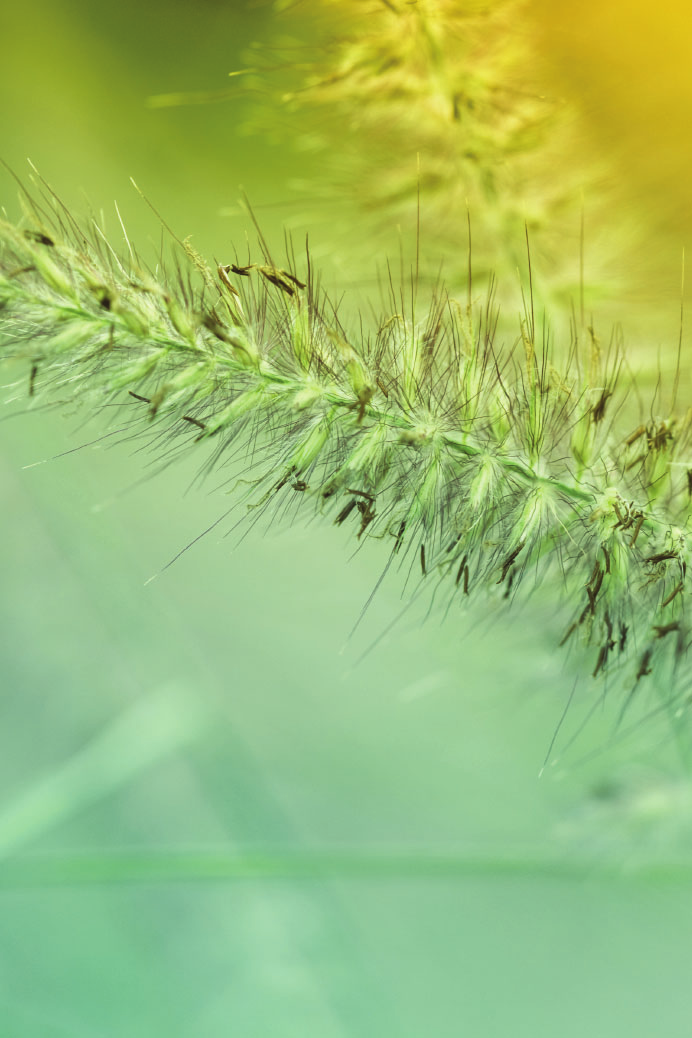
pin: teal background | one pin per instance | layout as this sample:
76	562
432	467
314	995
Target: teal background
216	817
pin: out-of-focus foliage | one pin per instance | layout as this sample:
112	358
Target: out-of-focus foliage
429	116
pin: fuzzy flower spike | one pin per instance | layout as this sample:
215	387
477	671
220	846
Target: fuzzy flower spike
487	464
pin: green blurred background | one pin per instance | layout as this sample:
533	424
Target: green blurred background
217	817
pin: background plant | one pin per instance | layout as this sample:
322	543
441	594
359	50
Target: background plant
420	113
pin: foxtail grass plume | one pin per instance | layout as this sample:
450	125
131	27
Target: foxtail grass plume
483	463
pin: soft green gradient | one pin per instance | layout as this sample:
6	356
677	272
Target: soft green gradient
213	821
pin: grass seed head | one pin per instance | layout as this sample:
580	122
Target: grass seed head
486	467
